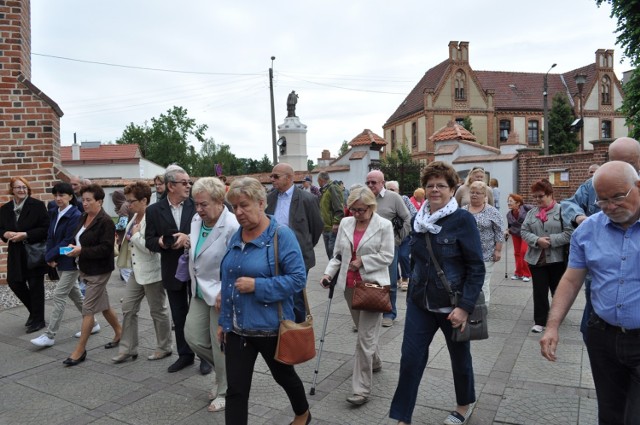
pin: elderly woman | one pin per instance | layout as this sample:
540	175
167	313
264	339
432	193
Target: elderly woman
454	237
211	229
515	217
462	194
404	251
93	248
547	237
144	280
363	251
64	221
251	293
24	220
490	226
418	198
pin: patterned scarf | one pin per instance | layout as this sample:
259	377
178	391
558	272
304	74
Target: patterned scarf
542	213
425	221
17	208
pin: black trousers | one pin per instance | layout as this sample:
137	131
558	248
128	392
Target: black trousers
240	358
31	293
179	303
544	278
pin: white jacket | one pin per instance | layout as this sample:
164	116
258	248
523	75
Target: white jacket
135	255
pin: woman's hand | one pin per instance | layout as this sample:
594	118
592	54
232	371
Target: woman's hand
497	254
245	285
355	264
218	303
544	242
52	264
17	236
75	252
458	318
325	282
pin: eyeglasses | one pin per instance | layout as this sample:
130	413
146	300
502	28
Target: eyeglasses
438	186
358	210
616	200
371	183
184	182
476	193
20	187
538	197
132	201
277	176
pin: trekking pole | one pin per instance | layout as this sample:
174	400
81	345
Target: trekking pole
506	252
332	286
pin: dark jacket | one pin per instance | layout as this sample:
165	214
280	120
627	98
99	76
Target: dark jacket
33	220
459	252
160	221
65	233
304	220
96	256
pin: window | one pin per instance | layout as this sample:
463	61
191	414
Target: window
460	121
605	128
532	133
505	129
459	85
414	135
393	140
605	89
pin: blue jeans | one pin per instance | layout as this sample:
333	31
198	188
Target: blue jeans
329	241
615	364
404	252
393	294
419	330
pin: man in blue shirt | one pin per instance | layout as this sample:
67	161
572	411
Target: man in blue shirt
607	245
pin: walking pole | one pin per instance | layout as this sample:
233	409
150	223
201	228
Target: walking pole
332	286
506	252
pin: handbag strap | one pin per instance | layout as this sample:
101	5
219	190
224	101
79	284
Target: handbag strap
304	291
439	271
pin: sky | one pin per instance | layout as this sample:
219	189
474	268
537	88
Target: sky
109	64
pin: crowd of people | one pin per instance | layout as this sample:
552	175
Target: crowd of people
224	264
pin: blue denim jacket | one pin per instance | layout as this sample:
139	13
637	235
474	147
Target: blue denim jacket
457	248
256	313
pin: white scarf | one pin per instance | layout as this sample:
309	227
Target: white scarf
425	221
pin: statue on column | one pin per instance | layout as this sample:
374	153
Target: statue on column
291	104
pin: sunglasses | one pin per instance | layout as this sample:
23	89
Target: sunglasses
371	183
184	182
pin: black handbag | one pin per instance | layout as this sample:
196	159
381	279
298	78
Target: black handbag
35	254
477	327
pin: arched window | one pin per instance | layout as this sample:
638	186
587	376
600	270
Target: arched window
459	85
605	89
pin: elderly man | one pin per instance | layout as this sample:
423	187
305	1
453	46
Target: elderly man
582	204
167	232
331	210
308	186
298	210
607	246
391	207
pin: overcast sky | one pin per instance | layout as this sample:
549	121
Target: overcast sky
351	62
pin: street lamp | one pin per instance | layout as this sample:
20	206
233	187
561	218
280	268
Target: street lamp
546	112
580	80
273	114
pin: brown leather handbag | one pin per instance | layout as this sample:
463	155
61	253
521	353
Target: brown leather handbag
371	297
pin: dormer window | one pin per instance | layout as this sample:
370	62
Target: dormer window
459	85
605	90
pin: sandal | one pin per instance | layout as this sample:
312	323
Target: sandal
217	405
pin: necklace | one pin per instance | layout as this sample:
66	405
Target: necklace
206	230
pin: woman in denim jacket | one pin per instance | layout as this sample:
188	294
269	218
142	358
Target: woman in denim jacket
456	245
251	291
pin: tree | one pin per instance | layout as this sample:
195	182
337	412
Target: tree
467	124
628	29
310	165
168	139
399	165
343	148
561	138
211	154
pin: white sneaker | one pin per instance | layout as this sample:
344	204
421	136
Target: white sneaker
515	277
217	405
43	341
94	330
526	279
536	329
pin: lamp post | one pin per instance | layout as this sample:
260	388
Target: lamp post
273	115
580	80
546	112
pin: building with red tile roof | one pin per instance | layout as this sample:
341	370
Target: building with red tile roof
503	106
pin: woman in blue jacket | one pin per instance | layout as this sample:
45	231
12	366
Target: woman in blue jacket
251	291
455	240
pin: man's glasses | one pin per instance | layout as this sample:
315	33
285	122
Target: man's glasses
276	176
184	182
436	186
616	200
371	183
357	210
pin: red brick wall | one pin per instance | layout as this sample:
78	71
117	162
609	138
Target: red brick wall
532	167
29	119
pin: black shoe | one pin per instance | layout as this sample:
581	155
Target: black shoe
29	322
205	367
35	327
181	363
71	362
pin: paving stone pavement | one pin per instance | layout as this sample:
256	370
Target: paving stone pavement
514	384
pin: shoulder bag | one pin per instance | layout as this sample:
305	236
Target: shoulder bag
35	254
477	327
296	341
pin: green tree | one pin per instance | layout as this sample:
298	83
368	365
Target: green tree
467	124
399	165
310	165
627	12
168	139
561	138
211	154
343	148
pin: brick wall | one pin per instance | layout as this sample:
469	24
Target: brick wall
532	167
29	119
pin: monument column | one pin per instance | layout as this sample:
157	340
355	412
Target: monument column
292	141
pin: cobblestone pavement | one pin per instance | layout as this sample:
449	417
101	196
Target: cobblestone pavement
514	384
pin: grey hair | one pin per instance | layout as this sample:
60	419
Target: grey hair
212	186
323	175
249	187
392	183
171	173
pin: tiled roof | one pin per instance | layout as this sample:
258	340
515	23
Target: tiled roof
357	155
366	138
102	153
446	149
452	131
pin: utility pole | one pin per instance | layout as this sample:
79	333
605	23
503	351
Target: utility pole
546	113
273	115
